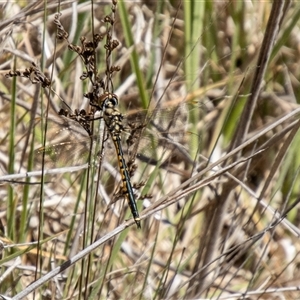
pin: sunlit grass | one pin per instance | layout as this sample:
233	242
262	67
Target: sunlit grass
210	218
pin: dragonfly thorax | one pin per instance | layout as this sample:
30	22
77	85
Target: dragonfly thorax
113	119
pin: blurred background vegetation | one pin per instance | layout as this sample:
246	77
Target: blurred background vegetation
219	213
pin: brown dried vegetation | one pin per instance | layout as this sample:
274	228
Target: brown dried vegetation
209	98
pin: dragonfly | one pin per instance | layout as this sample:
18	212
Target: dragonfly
113	120
74	136
103	100
107	103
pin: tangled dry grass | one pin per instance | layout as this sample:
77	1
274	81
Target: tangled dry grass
219	205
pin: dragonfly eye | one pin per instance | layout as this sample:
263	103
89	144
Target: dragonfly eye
114	100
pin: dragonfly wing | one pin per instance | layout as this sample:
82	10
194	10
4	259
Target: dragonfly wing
162	138
68	144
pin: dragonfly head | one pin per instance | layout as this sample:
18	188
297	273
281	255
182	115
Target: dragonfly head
108	100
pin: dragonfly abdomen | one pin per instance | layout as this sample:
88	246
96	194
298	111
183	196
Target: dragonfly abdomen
113	120
127	187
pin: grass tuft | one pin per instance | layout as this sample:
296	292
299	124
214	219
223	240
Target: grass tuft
209	110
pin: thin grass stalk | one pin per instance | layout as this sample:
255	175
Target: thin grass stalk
179	230
42	195
177	271
276	15
227	121
156	31
89	213
11	207
210	40
282	39
24	249
287	209
237	12
116	244
41	201
277	162
134	58
25	197
193	27
289	169
72	224
69	290
97	289
235	104
30	165
162	292
150	264
70	56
